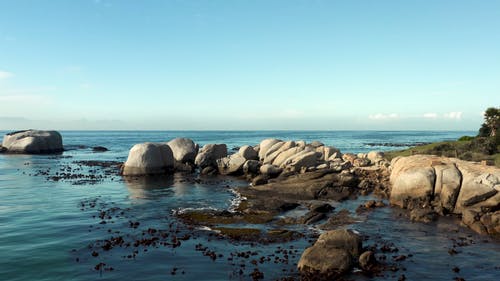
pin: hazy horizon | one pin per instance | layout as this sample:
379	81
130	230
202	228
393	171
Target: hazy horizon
248	65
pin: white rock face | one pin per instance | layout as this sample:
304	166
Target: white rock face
459	185
271	156
283	156
209	154
265	145
184	149
33	142
149	159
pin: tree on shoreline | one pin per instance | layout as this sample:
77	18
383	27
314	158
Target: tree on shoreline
491	123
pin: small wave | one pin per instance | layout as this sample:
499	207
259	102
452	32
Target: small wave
189	209
236	201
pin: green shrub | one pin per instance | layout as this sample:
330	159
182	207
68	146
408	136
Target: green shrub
465	138
484	145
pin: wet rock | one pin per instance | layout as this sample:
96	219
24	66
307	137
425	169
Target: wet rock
259	180
423	215
313	217
331	255
343	217
209	171
321	207
99	149
287	206
491	221
367	261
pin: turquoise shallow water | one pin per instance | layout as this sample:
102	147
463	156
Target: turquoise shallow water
46	233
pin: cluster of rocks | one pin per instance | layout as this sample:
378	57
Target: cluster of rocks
268	159
431	185
32	142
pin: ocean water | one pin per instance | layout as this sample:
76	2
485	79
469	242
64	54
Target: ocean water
55	229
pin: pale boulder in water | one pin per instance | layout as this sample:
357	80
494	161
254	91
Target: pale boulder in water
184	149
33	142
149	159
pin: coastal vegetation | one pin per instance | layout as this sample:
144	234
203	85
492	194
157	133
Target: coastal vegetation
483	147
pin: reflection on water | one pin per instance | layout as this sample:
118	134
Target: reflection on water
151	187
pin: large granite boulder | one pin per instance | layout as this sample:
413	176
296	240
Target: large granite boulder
209	154
265	145
33	142
332	255
184	149
448	185
248	152
149	159
273	153
303	159
412	179
232	164
284	155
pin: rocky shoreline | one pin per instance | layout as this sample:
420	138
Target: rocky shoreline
288	175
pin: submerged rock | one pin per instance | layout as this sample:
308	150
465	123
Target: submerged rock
33	142
99	149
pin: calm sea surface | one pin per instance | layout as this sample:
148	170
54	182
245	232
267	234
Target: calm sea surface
53	230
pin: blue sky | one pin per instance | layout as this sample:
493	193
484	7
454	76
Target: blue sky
122	64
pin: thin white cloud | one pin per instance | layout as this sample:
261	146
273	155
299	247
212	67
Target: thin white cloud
5	74
457	115
430	115
381	116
